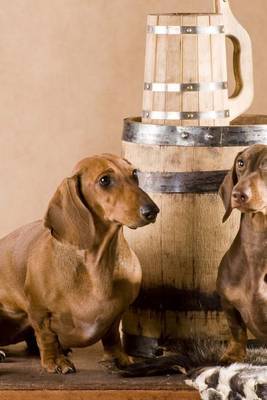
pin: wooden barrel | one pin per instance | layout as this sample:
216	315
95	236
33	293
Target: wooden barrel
182	168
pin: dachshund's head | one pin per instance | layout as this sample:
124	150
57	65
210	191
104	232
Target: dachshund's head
103	190
245	186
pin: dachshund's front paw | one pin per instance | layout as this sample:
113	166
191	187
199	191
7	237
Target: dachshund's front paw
119	358
123	360
232	357
60	365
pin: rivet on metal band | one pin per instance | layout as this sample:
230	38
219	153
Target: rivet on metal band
239	134
185	30
185	115
185	87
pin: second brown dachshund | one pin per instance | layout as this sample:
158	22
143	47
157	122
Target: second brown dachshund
242	277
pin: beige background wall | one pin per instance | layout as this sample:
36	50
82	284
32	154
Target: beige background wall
70	71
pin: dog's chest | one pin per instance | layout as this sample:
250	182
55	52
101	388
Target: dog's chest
250	298
84	325
89	297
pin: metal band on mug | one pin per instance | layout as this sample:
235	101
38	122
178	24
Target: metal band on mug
185	115
185	30
181	182
185	87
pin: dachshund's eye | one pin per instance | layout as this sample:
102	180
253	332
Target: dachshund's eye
264	165
240	163
135	175
105	181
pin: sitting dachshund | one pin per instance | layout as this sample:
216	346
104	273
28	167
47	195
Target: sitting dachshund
70	277
242	277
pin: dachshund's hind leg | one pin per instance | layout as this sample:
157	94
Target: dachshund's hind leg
113	350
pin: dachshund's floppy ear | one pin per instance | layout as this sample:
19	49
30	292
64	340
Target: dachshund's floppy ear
226	189
68	217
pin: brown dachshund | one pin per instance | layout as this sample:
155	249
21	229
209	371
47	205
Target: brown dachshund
70	277
242	277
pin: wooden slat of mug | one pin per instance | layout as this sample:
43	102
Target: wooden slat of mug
189	68
159	99
150	58
219	71
204	69
174	68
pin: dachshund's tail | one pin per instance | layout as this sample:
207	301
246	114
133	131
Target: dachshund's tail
159	366
202	371
187	355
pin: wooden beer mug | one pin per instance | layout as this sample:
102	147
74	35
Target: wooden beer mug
186	69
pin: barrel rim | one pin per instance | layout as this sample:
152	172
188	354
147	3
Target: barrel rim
197	136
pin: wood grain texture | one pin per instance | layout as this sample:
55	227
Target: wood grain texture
174	68
205	99
159	99
155	158
181	252
98	395
22	374
242	63
151	43
219	69
191	58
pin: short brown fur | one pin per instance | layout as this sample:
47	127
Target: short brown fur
242	277
71	276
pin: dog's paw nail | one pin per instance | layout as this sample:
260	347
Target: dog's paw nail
69	370
2	355
66	366
58	370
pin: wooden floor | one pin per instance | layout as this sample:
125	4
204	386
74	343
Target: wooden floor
21	378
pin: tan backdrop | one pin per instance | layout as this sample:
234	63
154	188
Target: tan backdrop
70	71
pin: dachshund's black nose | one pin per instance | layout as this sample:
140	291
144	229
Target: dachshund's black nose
149	211
240	197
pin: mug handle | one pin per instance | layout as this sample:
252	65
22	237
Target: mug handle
243	95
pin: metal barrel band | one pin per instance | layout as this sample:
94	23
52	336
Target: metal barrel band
185	87
198	136
185	30
181	182
141	346
185	115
